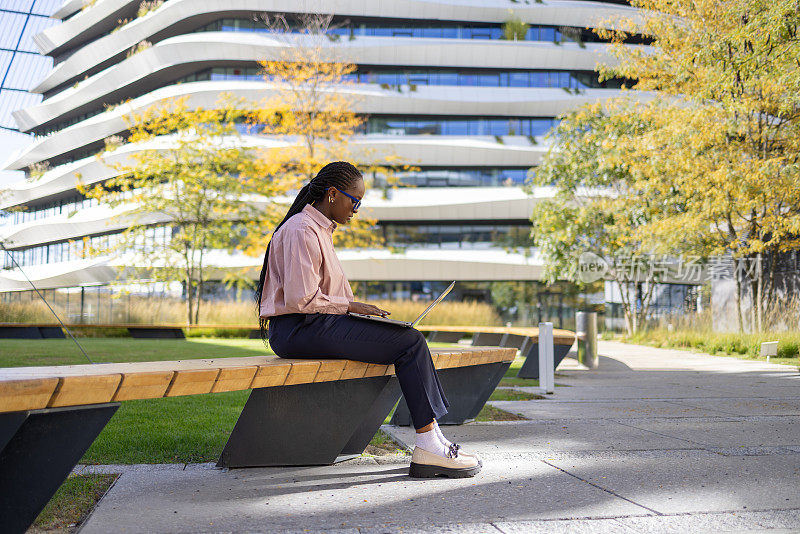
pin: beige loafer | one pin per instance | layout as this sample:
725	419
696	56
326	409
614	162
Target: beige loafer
462	452
425	464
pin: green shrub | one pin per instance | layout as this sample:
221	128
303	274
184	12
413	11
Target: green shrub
227	333
738	344
789	349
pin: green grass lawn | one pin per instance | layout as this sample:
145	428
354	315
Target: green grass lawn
72	502
27	352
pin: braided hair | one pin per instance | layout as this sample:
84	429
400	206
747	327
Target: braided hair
338	174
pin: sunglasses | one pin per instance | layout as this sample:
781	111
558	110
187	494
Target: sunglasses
356	202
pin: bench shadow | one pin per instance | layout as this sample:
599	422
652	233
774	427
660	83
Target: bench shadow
287	485
610	364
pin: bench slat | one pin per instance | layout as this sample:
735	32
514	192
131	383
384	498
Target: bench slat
329	370
234	379
302	372
82	390
271	375
143	386
354	369
376	369
26	394
192	382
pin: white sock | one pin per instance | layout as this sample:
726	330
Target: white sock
431	443
439	434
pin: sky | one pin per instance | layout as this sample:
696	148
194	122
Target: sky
22	68
10	142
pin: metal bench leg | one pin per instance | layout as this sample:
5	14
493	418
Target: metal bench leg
304	424
530	369
467	389
39	450
374	418
137	332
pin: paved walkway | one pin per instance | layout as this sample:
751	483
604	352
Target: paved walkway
653	441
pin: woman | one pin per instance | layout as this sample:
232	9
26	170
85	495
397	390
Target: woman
305	296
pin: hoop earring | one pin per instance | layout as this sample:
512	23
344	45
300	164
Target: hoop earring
330	199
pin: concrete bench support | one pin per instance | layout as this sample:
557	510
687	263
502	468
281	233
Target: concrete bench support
514	340
467	389
488	339
374	418
530	369
31	332
156	333
439	336
308	424
31	467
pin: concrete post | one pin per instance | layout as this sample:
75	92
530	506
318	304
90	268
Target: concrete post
546	358
586	332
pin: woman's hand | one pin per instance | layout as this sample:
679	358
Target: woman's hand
366	309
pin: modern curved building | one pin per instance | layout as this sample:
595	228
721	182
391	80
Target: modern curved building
440	85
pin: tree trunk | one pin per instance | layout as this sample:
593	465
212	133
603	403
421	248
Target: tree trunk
198	296
736	275
628	308
752	282
759	296
189	300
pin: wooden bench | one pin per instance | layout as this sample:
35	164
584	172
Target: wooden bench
322	410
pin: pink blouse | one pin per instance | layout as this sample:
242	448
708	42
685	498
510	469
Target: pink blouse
303	273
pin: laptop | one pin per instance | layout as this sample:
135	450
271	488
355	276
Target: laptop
406	324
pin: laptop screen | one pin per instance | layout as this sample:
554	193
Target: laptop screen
434	303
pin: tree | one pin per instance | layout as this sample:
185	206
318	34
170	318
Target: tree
184	191
514	28
599	209
724	136
312	109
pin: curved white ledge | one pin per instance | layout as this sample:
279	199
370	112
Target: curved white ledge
89	221
77	28
64	274
367	98
67	8
439	265
415	150
359	265
217	47
556	12
406	204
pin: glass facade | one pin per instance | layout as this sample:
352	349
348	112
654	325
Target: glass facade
21	66
70	250
354	27
458	126
393	76
455	236
467	177
64	206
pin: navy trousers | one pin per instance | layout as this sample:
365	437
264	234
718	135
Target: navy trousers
320	335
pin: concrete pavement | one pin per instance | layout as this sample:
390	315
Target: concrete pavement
654	441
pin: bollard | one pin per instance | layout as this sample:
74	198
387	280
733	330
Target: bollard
546	358
586	332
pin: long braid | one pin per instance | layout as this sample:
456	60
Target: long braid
339	174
